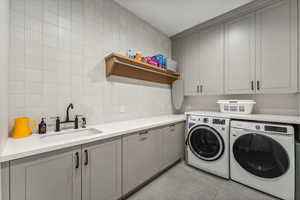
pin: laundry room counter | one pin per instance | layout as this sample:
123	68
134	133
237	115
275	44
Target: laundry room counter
32	145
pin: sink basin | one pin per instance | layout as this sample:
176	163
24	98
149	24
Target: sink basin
69	134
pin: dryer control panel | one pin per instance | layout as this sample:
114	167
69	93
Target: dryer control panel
264	127
279	129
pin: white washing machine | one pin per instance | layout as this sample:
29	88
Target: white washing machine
207	144
262	156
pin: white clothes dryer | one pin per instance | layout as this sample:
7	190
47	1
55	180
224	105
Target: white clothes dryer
262	156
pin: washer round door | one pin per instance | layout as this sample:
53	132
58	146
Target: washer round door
205	143
261	155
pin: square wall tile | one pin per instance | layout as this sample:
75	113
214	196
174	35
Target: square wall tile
57	57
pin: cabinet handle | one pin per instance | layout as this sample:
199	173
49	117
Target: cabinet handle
77	160
86	162
252	85
197	88
172	127
143	133
201	88
143	138
258	85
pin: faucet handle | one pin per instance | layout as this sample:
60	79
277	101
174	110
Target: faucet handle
57	123
83	125
76	125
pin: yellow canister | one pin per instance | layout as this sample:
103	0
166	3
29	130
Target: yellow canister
23	127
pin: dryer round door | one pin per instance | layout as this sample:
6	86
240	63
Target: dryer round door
205	143
260	155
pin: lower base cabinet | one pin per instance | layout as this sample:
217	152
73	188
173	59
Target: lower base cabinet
103	170
173	144
5	181
47	176
140	158
147	153
90	172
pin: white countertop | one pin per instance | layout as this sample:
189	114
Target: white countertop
19	148
286	119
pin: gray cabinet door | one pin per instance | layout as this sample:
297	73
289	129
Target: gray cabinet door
180	131
141	158
49	176
173	144
211	60
5	181
190	64
240	55
101	170
276	48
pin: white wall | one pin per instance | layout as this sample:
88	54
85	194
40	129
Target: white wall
57	57
4	48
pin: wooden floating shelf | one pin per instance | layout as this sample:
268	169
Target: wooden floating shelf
120	65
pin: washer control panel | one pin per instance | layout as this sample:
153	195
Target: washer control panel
205	120
219	121
193	118
257	127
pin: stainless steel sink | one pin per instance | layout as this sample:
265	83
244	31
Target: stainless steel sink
73	133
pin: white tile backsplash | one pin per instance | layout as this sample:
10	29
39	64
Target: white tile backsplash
57	57
16	87
4	60
18	5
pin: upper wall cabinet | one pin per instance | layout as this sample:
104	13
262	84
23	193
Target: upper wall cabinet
240	55
276	48
200	57
189	62
210	60
261	51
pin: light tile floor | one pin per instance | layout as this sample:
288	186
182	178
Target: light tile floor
183	182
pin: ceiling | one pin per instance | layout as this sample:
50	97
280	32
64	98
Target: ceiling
174	16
